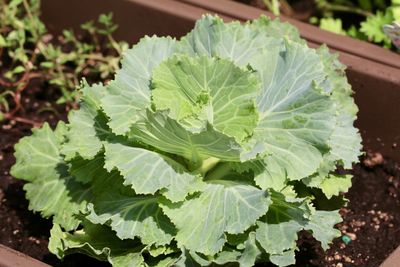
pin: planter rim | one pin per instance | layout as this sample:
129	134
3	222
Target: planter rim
173	7
309	32
13	258
393	260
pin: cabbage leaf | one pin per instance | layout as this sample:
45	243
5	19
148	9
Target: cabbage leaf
211	149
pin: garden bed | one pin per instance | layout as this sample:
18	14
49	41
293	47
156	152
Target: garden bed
371	218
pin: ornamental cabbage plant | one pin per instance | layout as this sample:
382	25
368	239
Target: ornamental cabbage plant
218	148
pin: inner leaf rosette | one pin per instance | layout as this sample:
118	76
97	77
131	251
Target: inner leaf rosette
207	150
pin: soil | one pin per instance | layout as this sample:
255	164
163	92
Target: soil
371	218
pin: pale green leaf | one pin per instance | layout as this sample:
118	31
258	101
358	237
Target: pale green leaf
3	42
18	69
267	173
345	141
230	208
202	39
297	118
96	241
59	196
164	262
156	251
226	256
395	11
333	185
130	259
277	231
130	215
207	90
188	158
279	236
332	25
201	260
147	171
84	171
164	133
250	253
291	157
372	27
235	41
130	91
37	156
277	29
51	191
309	118
284	259
324	232
192	259
87	126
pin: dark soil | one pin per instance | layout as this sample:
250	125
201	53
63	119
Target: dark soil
371	219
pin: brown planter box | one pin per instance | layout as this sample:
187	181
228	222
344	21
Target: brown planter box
373	72
393	260
12	258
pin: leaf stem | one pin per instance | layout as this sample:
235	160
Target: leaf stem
343	8
273	6
207	165
114	44
218	172
35	31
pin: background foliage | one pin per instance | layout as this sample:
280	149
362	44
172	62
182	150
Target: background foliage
361	19
28	51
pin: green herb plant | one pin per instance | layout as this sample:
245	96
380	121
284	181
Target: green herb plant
367	17
215	149
374	15
28	51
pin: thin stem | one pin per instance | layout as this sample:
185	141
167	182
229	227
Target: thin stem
273	6
35	124
343	8
96	57
28	11
218	172
114	44
207	165
95	40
